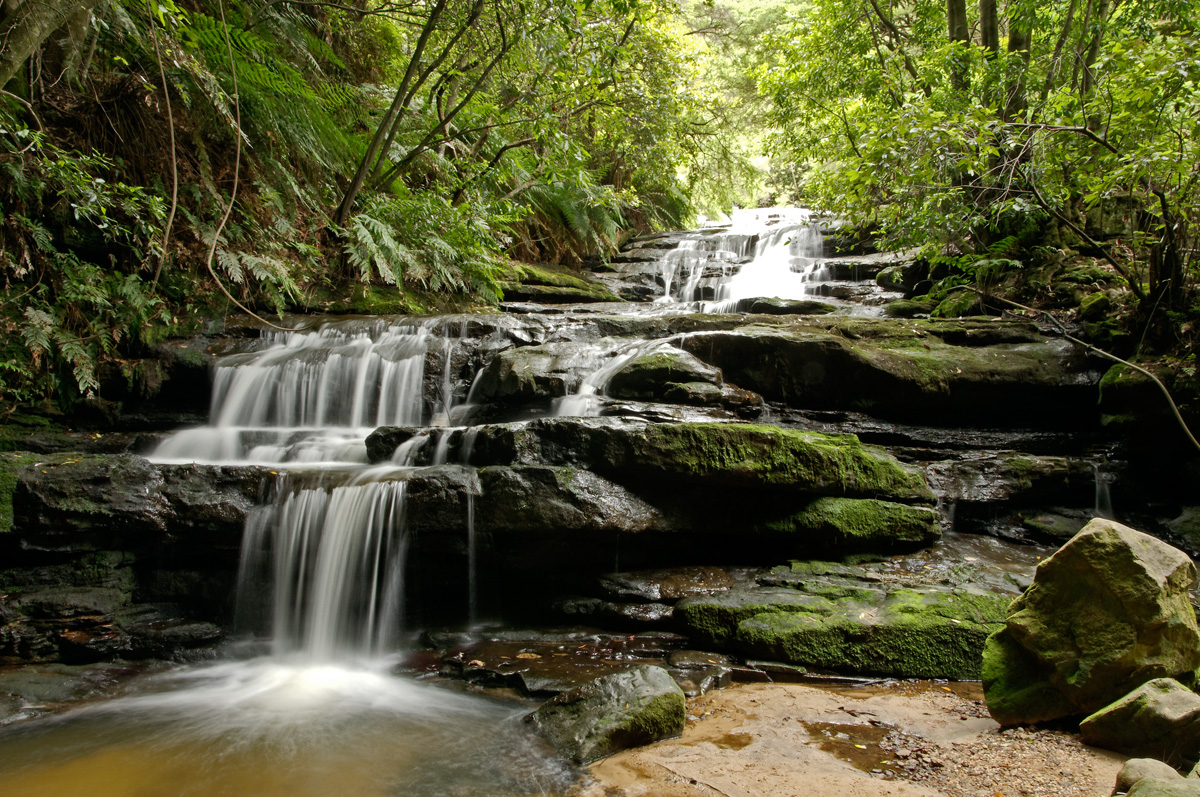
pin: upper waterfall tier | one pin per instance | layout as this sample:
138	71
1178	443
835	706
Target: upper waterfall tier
309	396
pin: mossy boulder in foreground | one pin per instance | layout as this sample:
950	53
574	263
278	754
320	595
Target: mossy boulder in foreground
1106	613
612	713
1161	718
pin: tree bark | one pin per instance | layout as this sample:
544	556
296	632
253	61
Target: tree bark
989	27
1020	42
25	26
960	33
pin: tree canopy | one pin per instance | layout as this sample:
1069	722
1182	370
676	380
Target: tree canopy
167	159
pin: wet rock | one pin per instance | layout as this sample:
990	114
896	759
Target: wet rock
606	613
1055	526
666	585
1107	612
541	663
82	497
861	523
95	533
845	624
1013	477
787	307
1137	769
697	681
907	308
729	455
1160	719
530	373
913	370
560	500
612	713
697	659
1186	527
646	377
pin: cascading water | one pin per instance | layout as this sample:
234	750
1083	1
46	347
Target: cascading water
308	397
786	264
323	565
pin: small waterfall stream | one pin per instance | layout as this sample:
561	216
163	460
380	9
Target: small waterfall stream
324	575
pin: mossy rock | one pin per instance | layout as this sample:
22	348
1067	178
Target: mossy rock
1159	719
1107	612
774	306
648	376
862	523
1086	275
728	455
1095	306
837	623
551	285
904	308
612	713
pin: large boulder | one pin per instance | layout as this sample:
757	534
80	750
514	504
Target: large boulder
1139	769
1106	613
1161	718
612	713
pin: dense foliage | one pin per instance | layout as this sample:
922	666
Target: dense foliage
162	160
1069	125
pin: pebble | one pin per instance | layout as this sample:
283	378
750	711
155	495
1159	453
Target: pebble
1026	761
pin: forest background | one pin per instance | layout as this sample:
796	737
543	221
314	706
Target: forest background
165	163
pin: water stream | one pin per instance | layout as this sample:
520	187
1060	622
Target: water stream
324	568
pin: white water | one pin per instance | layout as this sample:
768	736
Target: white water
322	574
308	398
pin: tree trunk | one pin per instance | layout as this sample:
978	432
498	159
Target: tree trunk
1020	41
26	25
1093	50
959	32
989	27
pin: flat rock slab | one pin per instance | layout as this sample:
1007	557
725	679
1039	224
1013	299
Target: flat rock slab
765	740
832	620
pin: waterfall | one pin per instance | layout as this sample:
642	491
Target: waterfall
786	265
308	397
1103	505
327	558
336	569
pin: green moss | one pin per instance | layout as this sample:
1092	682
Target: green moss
1015	686
661	718
857	522
903	644
714	620
385	300
11	464
770	456
532	281
934	633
